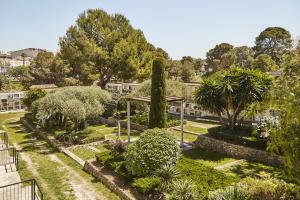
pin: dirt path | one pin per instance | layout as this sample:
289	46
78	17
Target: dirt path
83	189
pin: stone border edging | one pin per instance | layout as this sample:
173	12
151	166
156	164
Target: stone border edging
109	178
238	151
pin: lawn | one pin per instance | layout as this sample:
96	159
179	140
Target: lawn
84	153
41	163
186	136
206	157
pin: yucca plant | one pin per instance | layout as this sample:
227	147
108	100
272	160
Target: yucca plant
167	173
229	193
183	190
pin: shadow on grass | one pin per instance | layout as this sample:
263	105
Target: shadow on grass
256	170
203	154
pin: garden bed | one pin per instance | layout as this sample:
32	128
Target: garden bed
240	136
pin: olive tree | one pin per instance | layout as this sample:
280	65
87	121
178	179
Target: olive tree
71	103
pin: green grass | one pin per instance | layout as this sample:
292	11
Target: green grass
206	157
84	153
101	147
205	178
50	175
198	130
253	169
96	183
186	136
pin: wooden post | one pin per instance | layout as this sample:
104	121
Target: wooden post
181	123
128	121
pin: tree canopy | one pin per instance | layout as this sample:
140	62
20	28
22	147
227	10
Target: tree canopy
75	103
219	57
101	46
273	41
231	91
264	63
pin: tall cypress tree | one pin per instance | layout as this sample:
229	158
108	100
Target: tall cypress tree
158	116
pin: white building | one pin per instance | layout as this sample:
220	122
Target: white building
11	101
17	58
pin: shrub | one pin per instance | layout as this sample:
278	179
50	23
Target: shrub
33	95
142	119
118	147
229	193
147	184
167	173
257	189
269	189
154	149
240	136
183	190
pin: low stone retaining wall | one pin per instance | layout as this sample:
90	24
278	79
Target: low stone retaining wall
113	122
238	151
109	178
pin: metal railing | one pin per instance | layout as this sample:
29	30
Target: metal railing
3	139
24	190
9	156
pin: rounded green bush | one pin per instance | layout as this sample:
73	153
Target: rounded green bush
154	149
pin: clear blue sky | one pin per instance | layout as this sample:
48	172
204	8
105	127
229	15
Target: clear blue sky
181	27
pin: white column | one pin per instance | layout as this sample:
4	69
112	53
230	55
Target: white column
119	128
128	121
181	122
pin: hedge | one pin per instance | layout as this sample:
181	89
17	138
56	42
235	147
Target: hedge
147	184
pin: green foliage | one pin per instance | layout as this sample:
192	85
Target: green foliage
147	184
229	193
232	91
71	103
3	81
167	173
33	95
264	63
218	56
273	41
150	152
183	190
158	112
244	57
241	136
101	45
142	119
256	189
48	68
286	100
205	178
187	71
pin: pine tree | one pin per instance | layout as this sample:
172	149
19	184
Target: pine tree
158	114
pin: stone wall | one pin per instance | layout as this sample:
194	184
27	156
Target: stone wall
110	180
238	151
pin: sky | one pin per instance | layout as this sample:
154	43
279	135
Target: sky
180	27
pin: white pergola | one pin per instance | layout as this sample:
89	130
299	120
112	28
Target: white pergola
147	99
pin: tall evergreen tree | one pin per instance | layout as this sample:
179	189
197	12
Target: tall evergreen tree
158	114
